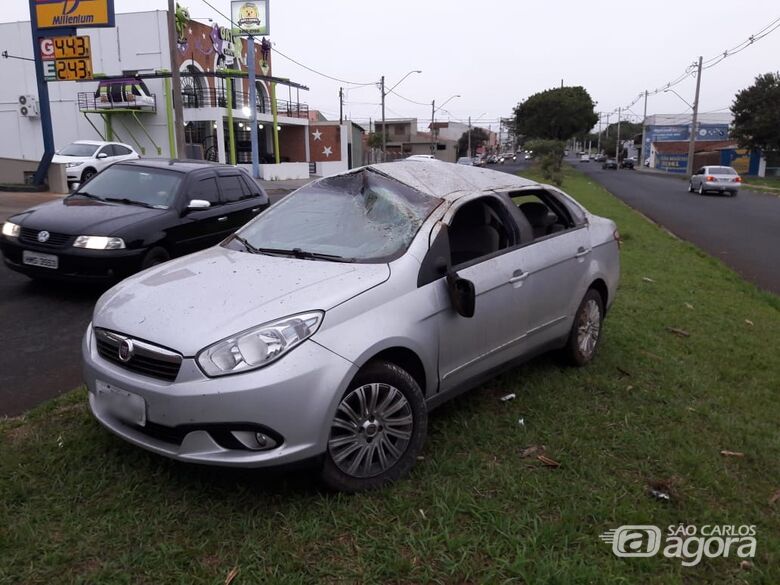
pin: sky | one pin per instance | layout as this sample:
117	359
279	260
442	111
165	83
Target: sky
496	53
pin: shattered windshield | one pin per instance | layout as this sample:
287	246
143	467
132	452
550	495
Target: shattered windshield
361	216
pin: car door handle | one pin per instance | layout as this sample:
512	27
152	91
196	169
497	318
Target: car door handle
223	218
518	276
582	252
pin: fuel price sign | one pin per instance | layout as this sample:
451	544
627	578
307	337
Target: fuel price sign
72	58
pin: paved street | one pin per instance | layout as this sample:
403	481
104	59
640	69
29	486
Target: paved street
742	231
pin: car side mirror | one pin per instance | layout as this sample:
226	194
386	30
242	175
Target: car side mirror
462	294
102	155
198	204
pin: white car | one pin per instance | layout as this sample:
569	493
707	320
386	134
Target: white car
420	157
84	159
584	158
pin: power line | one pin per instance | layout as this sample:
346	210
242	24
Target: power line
276	50
711	62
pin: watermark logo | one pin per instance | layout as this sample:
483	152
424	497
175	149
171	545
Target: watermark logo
634	540
688	543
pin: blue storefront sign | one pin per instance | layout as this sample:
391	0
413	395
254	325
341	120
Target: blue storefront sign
672	163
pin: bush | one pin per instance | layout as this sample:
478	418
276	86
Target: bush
549	154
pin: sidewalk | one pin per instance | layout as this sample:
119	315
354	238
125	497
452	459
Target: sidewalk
285	186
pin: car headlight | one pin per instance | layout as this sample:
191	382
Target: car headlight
99	243
259	346
73	164
11	230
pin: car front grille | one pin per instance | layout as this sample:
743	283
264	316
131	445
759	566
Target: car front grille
138	356
55	240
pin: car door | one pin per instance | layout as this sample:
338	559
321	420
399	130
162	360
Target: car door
697	177
469	347
121	152
104	157
238	209
199	228
555	262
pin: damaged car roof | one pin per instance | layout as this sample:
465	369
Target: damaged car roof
448	181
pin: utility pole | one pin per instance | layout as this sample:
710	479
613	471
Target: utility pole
384	129
341	105
468	148
499	133
641	163
694	120
598	142
433	114
617	143
178	110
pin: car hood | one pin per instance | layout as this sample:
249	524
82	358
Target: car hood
83	216
194	301
61	159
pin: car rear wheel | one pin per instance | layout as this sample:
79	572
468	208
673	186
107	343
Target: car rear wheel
701	189
155	256
378	430
585	332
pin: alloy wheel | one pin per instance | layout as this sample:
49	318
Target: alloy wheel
588	328
371	430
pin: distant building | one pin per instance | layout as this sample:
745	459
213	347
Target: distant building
403	139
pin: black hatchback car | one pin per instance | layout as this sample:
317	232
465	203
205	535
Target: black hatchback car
131	216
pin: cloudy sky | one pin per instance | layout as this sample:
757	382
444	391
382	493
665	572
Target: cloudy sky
495	53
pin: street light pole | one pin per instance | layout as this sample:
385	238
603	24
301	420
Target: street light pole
694	120
468	148
617	143
644	117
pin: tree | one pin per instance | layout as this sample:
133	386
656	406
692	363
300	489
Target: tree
628	131
756	112
478	137
556	114
374	140
549	153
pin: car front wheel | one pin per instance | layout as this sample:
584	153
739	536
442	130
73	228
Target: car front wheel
378	430
585	332
690	187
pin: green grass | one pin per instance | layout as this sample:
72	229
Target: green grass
769	183
80	506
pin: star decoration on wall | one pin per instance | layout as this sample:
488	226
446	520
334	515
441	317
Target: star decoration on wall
327	151
317	135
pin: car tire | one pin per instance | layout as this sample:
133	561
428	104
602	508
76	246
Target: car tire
690	187
87	175
361	453
155	256
701	189
585	333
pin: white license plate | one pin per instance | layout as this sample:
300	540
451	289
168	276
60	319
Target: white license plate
38	259
121	403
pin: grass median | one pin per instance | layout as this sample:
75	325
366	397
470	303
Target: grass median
688	368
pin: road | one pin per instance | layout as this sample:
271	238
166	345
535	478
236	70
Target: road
742	231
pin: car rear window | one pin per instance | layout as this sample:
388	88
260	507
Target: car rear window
722	171
79	150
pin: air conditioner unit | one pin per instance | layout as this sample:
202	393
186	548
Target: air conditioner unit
28	106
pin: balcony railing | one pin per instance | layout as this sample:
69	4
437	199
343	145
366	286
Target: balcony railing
209	97
89	101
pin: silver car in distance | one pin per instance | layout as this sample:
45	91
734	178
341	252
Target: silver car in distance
328	327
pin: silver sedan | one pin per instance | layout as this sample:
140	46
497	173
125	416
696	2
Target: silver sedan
717	179
330	326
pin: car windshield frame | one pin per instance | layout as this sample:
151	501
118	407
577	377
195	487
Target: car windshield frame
365	217
86	154
164	198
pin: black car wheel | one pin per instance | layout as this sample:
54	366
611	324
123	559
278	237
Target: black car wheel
701	188
155	256
88	174
378	430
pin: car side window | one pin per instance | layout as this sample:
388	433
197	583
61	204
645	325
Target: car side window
233	189
205	189
120	150
478	229
544	213
108	150
252	190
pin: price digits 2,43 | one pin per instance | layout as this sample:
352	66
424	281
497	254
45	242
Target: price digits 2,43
73	69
